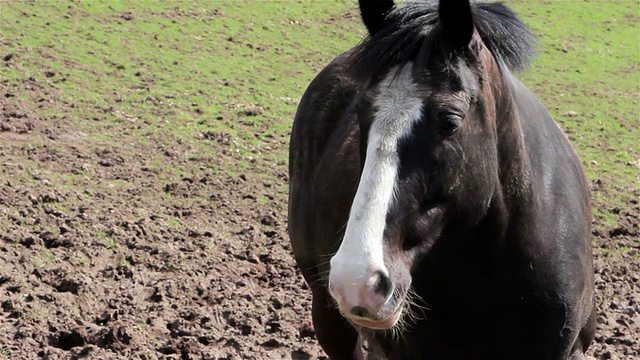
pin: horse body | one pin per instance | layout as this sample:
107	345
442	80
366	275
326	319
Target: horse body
469	245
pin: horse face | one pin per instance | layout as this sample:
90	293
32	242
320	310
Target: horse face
429	162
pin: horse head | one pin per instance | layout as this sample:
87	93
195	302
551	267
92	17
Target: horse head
427	112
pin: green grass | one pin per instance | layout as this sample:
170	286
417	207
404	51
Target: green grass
108	240
150	73
43	258
211	64
588	75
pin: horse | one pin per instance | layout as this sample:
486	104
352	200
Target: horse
436	209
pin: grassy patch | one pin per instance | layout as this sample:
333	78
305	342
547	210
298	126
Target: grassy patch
218	63
588	76
210	74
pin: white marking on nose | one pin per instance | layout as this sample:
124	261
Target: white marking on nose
397	107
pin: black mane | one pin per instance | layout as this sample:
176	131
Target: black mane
412	31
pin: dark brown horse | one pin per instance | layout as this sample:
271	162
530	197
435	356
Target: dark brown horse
436	209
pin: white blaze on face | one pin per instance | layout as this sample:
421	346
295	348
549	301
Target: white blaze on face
396	107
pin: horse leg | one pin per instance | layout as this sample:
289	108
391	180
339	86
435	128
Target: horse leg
334	333
585	337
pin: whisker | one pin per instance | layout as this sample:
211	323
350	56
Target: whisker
412	313
325	259
340	235
322	278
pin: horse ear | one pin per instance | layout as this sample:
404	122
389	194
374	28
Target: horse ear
374	12
457	21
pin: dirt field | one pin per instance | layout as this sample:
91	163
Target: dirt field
150	250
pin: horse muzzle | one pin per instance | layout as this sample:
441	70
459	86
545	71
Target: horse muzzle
381	323
370	303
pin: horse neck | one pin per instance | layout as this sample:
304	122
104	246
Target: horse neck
513	162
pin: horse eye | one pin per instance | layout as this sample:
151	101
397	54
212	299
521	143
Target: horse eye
449	123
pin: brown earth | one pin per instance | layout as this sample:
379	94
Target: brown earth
101	269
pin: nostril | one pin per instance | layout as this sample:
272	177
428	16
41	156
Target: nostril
383	285
359	311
